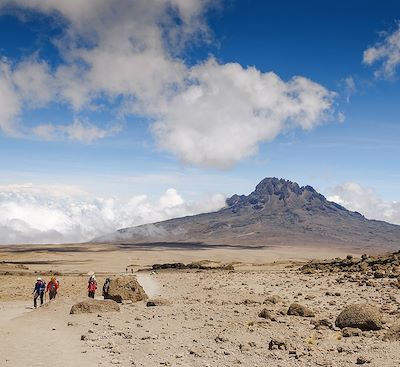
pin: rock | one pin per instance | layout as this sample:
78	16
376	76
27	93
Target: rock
362	316
321	324
351	331
157	302
393	334
296	309
265	314
94	306
125	288
276	344
274	299
379	274
362	360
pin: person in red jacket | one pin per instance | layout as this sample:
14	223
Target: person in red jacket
52	288
92	286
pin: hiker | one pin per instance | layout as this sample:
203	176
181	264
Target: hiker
38	291
92	286
106	286
52	288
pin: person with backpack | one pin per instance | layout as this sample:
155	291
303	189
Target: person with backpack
38	291
106	286
52	288
92	286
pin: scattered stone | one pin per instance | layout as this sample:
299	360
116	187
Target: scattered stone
351	331
274	299
321	324
362	360
265	314
296	309
157	302
362	316
393	334
277	344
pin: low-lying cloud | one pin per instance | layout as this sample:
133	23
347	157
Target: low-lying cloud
367	201
62	214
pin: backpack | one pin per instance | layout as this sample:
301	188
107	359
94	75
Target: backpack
92	285
42	286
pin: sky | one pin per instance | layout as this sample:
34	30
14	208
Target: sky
115	114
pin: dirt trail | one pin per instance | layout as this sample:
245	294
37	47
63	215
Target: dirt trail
42	338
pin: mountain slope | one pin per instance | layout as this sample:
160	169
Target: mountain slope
277	212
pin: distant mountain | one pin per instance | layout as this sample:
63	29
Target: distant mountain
277	212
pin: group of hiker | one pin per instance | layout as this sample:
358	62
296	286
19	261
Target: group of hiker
52	287
41	288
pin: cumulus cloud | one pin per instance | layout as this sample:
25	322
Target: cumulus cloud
225	111
61	214
366	201
207	114
386	53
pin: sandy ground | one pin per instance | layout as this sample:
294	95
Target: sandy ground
212	319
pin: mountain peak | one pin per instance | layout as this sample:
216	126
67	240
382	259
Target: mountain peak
272	191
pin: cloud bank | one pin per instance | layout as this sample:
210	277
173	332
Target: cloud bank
365	200
132	53
63	214
386	54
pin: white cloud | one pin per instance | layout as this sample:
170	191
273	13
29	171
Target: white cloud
9	100
387	53
225	111
78	131
61	214
209	114
365	200
34	82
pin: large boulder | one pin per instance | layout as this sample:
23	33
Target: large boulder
94	306
125	288
296	309
362	316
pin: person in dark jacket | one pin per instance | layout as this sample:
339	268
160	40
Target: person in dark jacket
38	291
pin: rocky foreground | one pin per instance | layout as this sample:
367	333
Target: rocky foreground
329	313
277	318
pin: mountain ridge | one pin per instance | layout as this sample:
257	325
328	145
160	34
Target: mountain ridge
277	212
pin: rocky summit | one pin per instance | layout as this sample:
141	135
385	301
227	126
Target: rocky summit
278	212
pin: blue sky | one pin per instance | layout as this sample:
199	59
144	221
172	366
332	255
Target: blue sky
117	105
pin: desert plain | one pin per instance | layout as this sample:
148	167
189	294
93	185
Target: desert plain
235	316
